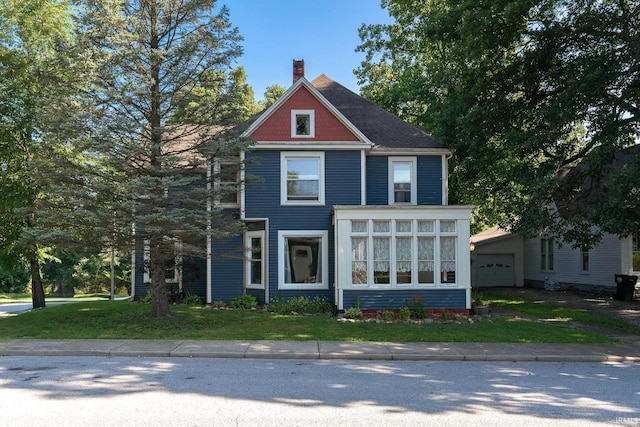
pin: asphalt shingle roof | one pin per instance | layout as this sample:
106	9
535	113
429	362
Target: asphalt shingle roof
381	127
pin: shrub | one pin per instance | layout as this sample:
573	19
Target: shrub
244	301
299	305
417	310
192	300
385	315
352	313
404	313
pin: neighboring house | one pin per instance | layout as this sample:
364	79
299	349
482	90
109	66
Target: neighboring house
589	270
497	258
350	205
549	261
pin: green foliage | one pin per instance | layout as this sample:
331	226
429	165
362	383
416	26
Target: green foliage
192	299
352	313
477	297
385	315
14	274
217	98
271	94
404	313
244	301
518	91
37	81
417	307
299	305
86	272
152	169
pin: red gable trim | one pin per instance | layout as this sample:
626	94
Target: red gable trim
277	127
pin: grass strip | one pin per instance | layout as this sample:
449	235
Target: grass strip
558	312
128	320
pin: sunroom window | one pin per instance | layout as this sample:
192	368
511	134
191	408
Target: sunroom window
404	253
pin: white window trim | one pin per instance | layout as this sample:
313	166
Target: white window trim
324	236
312	123
177	278
248	236
216	166
414	179
548	267
284	156
393	234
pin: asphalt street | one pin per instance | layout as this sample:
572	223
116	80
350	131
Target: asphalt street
122	391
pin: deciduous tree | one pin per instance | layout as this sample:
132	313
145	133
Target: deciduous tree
519	90
33	77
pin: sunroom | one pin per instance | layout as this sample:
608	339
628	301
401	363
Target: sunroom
386	255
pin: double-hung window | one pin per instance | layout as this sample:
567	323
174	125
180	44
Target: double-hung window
255	267
302	178
402	180
635	251
546	254
226	182
584	259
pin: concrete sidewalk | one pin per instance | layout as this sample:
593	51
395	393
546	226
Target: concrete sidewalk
626	353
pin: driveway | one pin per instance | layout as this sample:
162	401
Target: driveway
20	307
598	304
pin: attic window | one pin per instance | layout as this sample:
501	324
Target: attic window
302	124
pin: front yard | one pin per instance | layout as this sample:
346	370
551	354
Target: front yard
128	320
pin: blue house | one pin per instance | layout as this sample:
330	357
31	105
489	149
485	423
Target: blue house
350	205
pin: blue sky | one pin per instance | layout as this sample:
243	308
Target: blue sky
322	32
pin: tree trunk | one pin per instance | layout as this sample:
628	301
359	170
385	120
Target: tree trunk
159	297
37	291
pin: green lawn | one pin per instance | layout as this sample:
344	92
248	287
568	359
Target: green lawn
560	313
128	320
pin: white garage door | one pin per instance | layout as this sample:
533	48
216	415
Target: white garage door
494	270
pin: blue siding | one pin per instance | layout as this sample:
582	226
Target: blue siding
429	180
429	176
377	180
194	276
378	299
262	200
227	268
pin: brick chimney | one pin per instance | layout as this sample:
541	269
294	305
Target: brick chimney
298	69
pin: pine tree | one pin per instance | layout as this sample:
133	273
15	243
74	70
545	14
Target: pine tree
150	171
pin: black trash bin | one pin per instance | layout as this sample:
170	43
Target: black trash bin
625	287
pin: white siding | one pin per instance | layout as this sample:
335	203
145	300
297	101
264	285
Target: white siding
605	260
512	245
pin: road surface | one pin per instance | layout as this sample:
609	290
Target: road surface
120	391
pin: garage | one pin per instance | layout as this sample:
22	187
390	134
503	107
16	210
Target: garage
495	270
